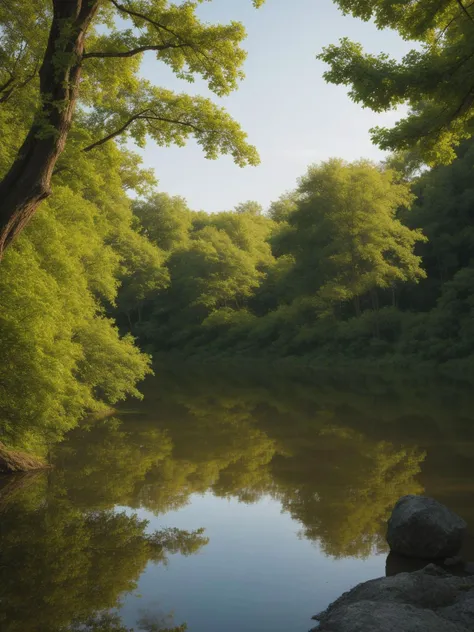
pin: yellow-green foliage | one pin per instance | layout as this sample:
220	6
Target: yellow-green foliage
345	234
62	356
247	281
119	100
434	79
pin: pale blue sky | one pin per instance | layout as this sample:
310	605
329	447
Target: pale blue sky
292	116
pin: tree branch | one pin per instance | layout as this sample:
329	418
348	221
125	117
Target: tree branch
132	52
7	83
466	12
86	14
142	16
466	102
160	27
115	133
174	121
451	21
144	116
12	86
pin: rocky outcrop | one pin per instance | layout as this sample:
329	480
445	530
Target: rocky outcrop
13	461
428	600
424	528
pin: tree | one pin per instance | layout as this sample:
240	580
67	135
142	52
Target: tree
345	235
89	56
251	207
215	261
213	271
63	356
280	210
249	232
166	220
435	79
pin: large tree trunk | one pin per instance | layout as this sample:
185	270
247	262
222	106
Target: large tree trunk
29	179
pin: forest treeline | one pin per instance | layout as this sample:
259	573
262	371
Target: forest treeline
361	262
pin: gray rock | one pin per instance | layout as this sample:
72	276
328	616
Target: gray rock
453	561
422	527
462	611
396	564
369	616
429	600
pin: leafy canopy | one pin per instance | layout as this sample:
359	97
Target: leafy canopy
344	234
435	79
116	100
63	354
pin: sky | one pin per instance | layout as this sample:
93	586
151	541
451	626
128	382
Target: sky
289	112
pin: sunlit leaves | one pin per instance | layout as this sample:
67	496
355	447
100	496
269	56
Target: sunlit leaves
435	80
169	118
345	235
62	358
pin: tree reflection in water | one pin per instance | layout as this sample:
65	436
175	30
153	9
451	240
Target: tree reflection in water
336	458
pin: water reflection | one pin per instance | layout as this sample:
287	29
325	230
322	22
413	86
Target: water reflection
336	455
63	567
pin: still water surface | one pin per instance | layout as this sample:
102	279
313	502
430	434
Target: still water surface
233	500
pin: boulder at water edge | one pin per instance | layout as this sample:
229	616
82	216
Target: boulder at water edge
429	600
424	528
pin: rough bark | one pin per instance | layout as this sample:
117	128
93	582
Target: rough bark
28	182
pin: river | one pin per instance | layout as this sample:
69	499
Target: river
228	499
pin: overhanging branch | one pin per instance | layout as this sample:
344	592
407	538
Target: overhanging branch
7	84
161	27
465	11
7	89
451	21
144	115
132	52
141	16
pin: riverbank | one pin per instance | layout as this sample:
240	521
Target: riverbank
12	461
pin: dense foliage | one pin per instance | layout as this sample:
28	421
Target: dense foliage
61	354
70	84
435	79
88	53
361	261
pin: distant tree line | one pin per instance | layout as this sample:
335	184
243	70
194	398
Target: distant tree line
359	261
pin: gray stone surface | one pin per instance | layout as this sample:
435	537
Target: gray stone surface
461	611
424	528
369	616
429	600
